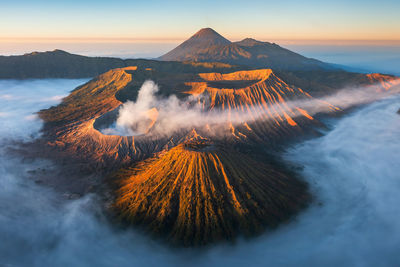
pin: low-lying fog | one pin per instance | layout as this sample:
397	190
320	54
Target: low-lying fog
353	172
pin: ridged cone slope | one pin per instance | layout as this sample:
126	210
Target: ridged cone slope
197	193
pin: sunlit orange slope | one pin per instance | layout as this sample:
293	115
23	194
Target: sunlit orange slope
261	100
385	81
198	192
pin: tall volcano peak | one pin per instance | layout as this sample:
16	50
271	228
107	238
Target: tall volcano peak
204	39
209	35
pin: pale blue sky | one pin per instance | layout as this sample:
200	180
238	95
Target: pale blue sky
155	19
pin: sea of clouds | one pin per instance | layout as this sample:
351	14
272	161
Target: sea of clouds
353	172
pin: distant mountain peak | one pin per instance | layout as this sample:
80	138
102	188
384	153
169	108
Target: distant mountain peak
59	51
209	46
249	42
208	35
53	52
206	32
34	53
205	38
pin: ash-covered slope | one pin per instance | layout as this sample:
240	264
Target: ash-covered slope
209	46
197	193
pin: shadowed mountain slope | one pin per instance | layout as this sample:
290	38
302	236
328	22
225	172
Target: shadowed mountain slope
61	64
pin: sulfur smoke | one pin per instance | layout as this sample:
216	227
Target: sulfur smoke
167	115
170	113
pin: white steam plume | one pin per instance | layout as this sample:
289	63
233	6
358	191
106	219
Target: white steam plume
133	114
173	114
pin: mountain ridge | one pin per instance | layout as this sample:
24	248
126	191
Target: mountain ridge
61	64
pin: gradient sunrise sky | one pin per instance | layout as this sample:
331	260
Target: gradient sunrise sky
156	20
